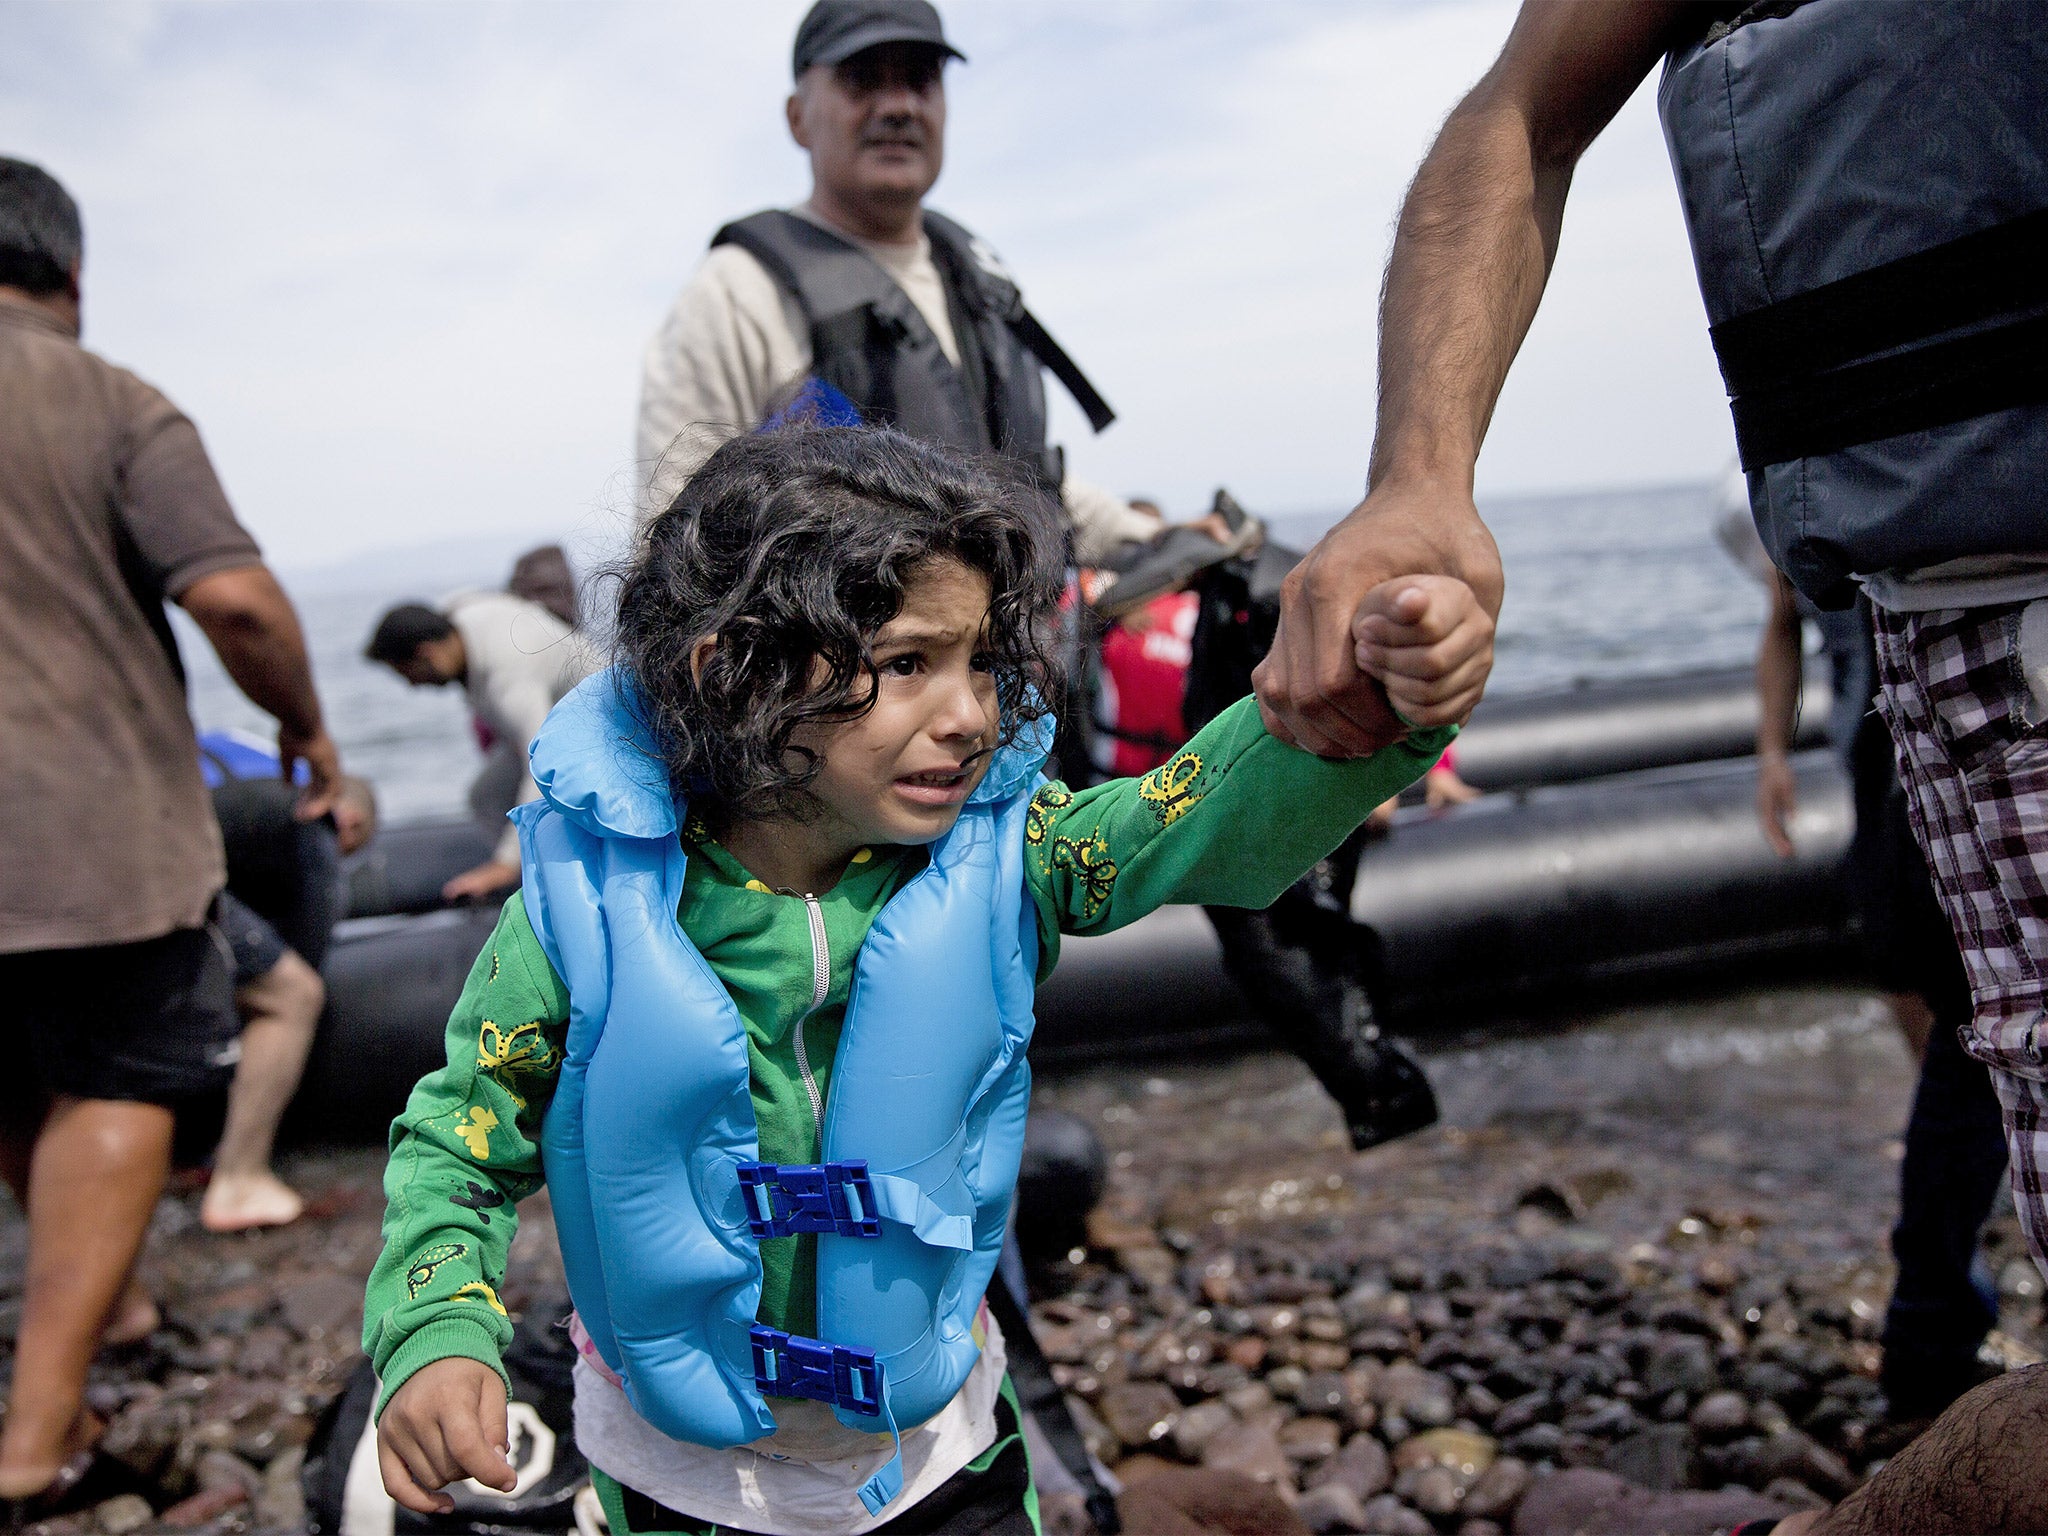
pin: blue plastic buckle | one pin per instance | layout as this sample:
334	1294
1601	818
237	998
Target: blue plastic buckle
784	1199
788	1365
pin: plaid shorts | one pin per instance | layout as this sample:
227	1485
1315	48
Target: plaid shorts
1972	741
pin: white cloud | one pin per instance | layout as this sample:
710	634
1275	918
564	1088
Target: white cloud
399	261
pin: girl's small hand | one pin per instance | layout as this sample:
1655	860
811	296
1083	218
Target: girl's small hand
1430	644
446	1423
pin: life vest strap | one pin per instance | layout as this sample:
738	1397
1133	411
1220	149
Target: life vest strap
784	1199
1946	334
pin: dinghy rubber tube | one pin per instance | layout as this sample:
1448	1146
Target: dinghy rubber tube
1661	871
1594	729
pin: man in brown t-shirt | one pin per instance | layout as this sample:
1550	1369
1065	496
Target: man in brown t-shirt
119	1000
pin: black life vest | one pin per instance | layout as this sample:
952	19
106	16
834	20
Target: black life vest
1866	187
869	341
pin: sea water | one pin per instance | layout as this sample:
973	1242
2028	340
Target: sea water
1599	585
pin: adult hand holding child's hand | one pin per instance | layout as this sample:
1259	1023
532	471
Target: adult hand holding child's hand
446	1423
1430	644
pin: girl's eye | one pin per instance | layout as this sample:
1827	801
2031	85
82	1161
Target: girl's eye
983	662
900	666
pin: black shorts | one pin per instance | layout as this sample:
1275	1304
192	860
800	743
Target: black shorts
153	1021
252	941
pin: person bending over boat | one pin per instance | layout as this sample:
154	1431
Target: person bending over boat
514	660
758	1015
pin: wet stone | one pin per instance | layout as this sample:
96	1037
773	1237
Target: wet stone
1332	1507
1251	1450
1497	1490
124	1513
1476	1402
1599	1416
1383	1340
1310	1439
1285	1383
1462	1451
323	1306
1139	1413
1388	1516
1683	1364
1362	1466
1660	1457
1196	1425
1767	1379
1323	1392
1423	1398
1539	1442
1436	1490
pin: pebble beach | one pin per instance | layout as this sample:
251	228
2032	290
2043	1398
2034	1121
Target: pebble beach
1649	1238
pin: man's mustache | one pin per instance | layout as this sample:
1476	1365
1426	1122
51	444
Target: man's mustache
910	135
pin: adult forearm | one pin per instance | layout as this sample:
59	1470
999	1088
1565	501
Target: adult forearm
1777	680
253	628
1474	248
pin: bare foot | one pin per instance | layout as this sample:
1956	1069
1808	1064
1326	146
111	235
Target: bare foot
134	1317
236	1202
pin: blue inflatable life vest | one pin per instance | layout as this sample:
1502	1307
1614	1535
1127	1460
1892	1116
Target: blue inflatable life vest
651	1147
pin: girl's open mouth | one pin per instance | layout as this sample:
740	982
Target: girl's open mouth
940	787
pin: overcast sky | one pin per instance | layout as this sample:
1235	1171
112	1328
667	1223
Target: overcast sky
399	261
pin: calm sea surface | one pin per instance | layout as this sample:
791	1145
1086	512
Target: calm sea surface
1613	584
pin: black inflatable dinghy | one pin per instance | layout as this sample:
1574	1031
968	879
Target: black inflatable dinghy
1623	842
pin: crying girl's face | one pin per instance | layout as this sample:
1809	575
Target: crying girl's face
902	771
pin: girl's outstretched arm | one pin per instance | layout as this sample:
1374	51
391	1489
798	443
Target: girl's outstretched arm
1232	819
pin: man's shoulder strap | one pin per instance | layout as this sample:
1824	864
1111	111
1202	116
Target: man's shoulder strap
972	259
827	276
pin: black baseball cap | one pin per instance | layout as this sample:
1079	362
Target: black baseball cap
835	30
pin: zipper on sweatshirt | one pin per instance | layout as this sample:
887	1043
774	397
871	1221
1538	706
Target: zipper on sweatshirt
821	983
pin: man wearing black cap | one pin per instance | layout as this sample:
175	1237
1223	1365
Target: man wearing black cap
860	303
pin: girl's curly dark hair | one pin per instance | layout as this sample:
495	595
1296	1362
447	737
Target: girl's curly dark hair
794	547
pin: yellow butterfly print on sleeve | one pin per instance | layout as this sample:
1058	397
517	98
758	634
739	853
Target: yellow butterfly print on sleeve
507	1055
479	1289
476	1132
1173	788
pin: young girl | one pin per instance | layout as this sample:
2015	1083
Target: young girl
758	1014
